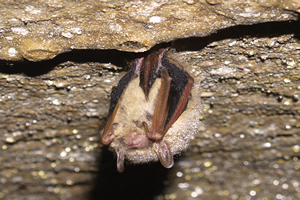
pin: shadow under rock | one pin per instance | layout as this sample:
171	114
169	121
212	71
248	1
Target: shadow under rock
33	69
137	182
268	29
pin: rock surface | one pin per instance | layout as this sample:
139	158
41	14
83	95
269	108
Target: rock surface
40	30
51	111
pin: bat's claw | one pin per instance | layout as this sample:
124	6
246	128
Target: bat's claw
152	135
163	151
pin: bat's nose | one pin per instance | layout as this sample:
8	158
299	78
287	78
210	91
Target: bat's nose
136	140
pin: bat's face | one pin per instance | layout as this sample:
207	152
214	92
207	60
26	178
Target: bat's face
149	112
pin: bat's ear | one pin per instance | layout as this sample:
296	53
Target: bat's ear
108	132
120	159
163	151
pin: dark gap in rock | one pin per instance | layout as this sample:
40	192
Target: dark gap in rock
33	69
268	29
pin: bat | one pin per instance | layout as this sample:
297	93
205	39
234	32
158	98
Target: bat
149	113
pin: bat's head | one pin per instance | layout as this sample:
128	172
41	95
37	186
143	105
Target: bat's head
130	138
134	147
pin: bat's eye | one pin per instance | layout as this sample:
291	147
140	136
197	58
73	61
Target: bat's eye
114	125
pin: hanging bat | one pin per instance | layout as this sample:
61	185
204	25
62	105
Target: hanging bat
149	116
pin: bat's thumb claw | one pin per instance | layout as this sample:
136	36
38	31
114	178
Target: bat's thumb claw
163	152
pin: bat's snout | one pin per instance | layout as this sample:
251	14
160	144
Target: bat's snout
136	140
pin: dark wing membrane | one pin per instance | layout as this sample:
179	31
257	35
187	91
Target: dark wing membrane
178	84
118	90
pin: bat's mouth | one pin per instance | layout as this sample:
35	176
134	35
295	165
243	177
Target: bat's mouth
136	140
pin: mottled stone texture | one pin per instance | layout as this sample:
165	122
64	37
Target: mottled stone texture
40	30
51	111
